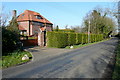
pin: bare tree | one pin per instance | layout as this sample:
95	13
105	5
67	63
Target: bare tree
116	13
77	29
3	17
66	27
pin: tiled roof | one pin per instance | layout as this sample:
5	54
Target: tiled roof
31	15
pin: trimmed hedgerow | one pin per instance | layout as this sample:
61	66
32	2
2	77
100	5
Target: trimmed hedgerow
95	38
85	38
78	38
91	38
63	39
56	39
64	30
101	37
71	38
50	39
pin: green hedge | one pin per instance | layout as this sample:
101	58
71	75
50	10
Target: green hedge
79	39
92	38
57	39
64	30
85	38
71	38
63	39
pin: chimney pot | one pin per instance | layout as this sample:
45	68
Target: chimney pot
14	13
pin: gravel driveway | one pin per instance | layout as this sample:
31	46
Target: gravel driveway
85	62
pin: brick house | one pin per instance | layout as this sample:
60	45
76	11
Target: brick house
32	23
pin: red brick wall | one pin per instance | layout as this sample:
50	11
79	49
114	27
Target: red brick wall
34	28
25	25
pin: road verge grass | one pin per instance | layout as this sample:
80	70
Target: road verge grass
82	45
14	58
116	73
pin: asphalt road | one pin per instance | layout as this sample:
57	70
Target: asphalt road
86	62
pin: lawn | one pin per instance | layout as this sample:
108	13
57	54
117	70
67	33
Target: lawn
14	58
116	73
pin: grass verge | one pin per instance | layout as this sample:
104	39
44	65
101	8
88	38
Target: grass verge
82	45
116	73
14	58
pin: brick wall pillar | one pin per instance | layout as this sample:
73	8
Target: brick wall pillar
41	39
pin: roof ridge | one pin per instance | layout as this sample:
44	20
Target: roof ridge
31	11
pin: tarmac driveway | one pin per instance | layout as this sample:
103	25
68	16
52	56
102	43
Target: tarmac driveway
86	62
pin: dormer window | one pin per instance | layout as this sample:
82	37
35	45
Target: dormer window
38	17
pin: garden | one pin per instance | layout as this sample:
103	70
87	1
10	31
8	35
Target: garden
12	49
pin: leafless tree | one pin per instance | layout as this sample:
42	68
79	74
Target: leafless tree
2	21
77	29
3	17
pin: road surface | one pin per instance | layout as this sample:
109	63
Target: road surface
85	62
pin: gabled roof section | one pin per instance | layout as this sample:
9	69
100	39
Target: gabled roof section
31	15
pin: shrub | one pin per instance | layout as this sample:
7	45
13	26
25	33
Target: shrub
102	37
10	41
85	38
95	38
71	38
50	39
91	38
99	37
64	30
57	39
78	38
62	39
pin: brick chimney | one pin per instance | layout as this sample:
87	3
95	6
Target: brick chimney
14	12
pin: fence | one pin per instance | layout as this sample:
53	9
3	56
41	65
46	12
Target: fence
30	41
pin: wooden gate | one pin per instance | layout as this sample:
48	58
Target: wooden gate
30	41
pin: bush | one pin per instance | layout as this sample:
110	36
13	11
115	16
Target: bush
71	38
62	39
57	39
64	30
85	38
91	38
10	41
102	37
78	38
96	38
